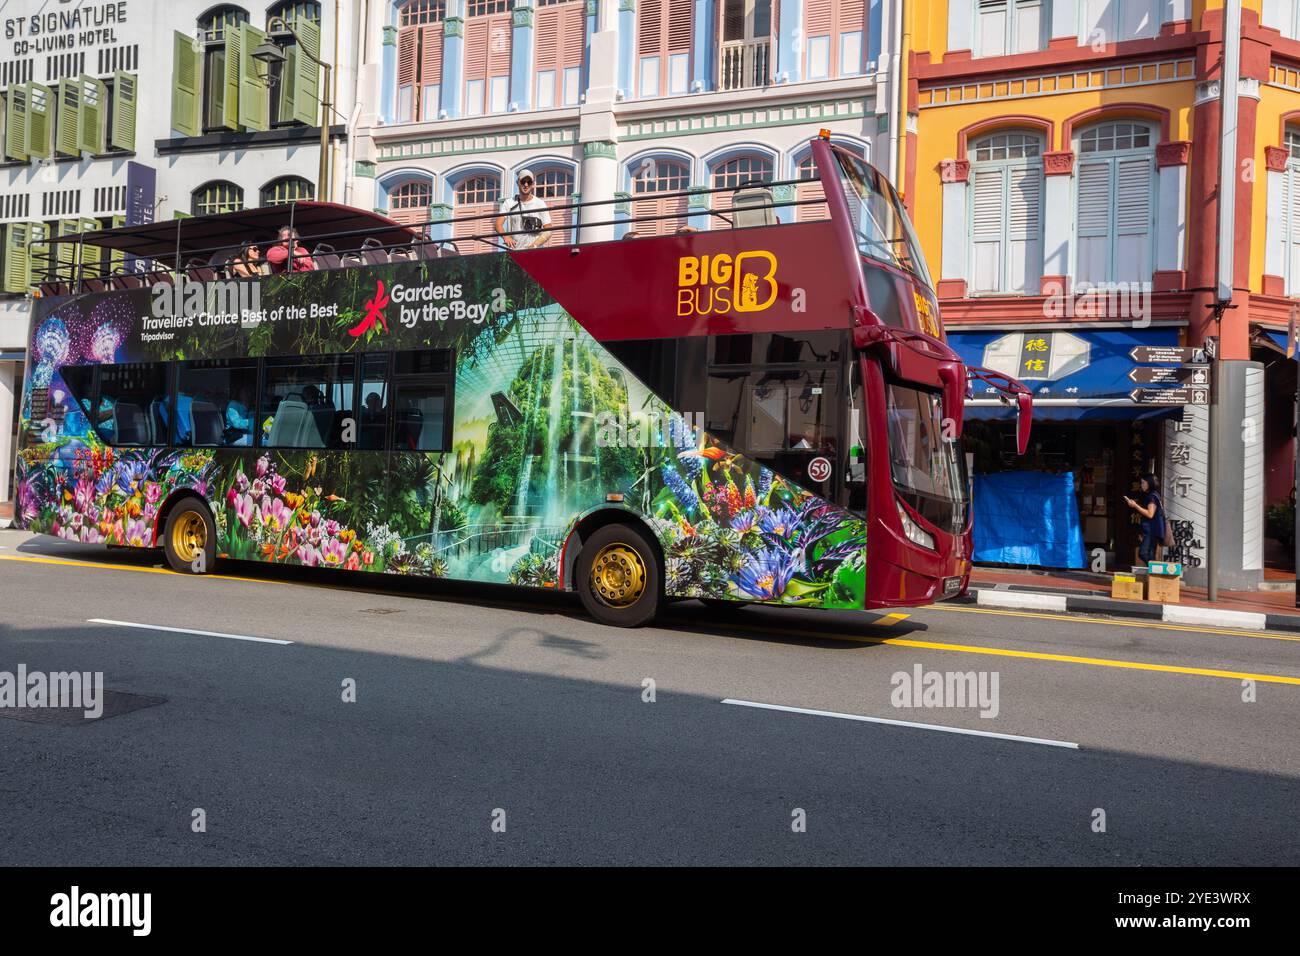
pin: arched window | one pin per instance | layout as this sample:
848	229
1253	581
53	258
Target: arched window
652	176
1114	208
734	173
1006	213
555	185
293	12
476	195
409	203
216	26
1012	26
287	189
216	197
419	59
294	84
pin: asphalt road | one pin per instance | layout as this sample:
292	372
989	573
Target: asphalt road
472	700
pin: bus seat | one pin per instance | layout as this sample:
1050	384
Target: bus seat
205	423
289	422
372	251
752	206
94	285
198	271
403	254
447	248
130	426
316	426
158	422
326	256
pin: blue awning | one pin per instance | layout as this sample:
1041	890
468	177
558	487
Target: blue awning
1277	338
1074	375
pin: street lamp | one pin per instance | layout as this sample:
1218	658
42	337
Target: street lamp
268	53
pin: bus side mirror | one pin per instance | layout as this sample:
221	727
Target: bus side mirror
953	377
1024	420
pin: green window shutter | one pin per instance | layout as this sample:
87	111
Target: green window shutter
178	214
38	252
229	111
284	91
93	134
17	260
306	81
67	129
66	252
254	97
126	93
40	109
16	123
187	77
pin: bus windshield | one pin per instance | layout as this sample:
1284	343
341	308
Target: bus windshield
880	224
927	468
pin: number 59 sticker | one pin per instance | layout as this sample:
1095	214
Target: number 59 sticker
819	469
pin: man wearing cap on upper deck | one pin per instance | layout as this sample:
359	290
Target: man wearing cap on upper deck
525	220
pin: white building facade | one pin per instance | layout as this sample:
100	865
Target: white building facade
612	100
117	111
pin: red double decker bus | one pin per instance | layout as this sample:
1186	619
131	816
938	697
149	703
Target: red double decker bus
762	411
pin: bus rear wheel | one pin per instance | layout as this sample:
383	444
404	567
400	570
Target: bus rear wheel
190	537
618	576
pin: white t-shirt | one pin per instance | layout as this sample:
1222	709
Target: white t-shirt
516	210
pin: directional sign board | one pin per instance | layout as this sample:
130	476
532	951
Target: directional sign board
1167	355
1170	396
1178	375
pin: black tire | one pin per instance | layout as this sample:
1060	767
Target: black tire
189	550
628	571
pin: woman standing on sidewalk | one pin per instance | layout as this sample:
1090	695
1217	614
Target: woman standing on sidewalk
1152	510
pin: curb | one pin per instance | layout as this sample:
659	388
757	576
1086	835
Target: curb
1169	613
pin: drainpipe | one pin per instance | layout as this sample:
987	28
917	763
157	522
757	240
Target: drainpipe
895	78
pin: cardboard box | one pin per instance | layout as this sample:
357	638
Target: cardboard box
1163	588
1126	587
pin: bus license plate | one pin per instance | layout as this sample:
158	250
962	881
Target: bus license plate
951	586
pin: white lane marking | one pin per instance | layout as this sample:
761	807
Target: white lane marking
186	630
1021	599
906	723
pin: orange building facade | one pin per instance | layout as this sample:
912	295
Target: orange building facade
1062	165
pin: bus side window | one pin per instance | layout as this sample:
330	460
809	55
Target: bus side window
118	409
307	401
214	403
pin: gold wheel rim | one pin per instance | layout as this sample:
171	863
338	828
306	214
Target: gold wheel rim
618	575
189	536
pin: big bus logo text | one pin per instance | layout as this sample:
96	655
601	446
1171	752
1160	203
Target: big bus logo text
722	283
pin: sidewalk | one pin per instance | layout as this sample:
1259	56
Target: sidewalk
1090	593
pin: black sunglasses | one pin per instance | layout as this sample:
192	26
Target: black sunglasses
525	182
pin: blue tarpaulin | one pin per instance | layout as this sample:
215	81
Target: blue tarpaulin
1027	517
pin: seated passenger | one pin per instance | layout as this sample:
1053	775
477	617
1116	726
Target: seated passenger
288	247
247	262
183	402
239	420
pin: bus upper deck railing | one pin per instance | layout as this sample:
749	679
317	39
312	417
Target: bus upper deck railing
75	272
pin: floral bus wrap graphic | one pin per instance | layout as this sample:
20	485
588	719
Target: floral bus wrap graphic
523	466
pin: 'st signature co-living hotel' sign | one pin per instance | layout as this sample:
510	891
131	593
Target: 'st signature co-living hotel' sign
63	27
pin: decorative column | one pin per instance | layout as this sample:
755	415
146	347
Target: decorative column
1058	182
388	98
954	174
789	52
440	214
704	45
697	208
626	46
1171	216
521	58
599	181
1275	237
453	62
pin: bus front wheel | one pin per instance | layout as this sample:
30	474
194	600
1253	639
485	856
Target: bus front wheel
190	537
618	576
